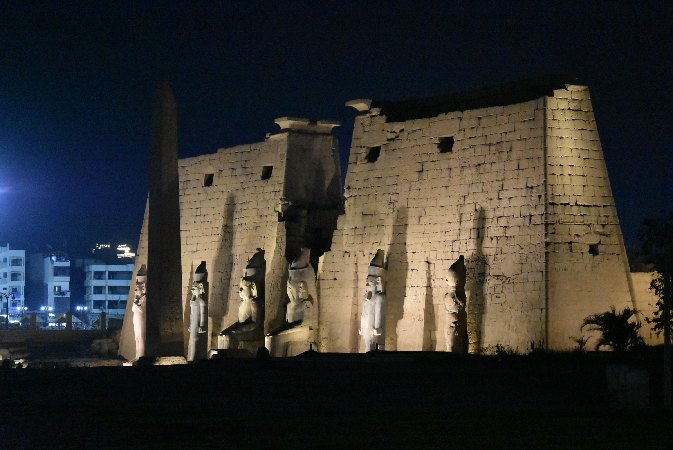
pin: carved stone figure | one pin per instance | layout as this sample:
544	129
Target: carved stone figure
198	309
373	318
455	303
302	308
250	324
138	308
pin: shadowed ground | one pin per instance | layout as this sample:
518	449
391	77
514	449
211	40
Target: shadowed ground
395	400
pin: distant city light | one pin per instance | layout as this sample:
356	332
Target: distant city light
100	247
124	251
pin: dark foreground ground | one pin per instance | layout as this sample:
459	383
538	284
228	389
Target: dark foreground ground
387	401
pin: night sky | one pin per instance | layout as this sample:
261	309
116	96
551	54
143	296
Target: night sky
77	84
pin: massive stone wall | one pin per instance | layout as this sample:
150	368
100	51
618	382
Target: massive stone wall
229	207
501	196
587	265
512	179
225	222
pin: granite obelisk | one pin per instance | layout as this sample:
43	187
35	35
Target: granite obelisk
165	335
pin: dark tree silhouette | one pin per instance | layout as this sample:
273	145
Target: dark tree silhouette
657	239
617	332
657	320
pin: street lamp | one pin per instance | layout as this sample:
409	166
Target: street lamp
82	309
6	296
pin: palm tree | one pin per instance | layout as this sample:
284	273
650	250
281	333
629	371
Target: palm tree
616	330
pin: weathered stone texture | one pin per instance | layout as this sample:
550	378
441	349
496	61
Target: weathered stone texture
587	266
228	209
522	195
425	208
520	190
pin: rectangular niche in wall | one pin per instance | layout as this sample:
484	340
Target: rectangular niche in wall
445	144
208	179
373	154
593	249
266	172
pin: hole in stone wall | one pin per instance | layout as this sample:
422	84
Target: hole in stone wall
266	172
445	144
208	179
593	249
373	154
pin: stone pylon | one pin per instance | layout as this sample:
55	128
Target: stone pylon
165	335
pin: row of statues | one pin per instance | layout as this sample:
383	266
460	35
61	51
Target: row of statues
301	311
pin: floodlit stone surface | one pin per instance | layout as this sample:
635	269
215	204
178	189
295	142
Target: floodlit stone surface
513	179
229	207
523	193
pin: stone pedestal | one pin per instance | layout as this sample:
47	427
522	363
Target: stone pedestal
290	342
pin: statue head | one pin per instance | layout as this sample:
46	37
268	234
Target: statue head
375	274
456	276
297	290
198	289
252	283
141	282
200	279
247	289
301	278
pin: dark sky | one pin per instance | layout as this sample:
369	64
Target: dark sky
77	83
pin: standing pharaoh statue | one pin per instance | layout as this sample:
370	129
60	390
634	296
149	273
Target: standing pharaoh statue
138	308
455	302
373	318
250	324
302	309
198	309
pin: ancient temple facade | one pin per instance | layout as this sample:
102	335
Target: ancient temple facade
512	178
515	180
279	195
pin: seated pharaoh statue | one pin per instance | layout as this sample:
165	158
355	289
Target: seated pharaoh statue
249	329
299	330
198	315
373	318
455	303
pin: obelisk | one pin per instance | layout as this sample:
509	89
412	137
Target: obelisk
164	270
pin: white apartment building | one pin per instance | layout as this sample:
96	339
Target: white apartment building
50	282
12	282
107	288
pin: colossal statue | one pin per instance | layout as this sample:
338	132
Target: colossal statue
250	324
455	302
198	309
373	318
138	309
302	309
